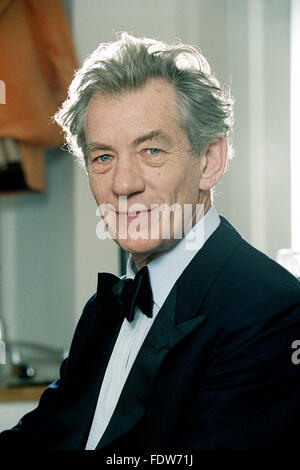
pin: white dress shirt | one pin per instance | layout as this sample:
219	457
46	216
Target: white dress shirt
164	272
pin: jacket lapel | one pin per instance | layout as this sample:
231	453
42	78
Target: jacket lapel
163	335
178	317
200	274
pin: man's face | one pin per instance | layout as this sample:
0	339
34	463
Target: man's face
138	154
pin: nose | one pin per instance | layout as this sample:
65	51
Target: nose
127	179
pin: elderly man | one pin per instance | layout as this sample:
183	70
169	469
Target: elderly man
193	348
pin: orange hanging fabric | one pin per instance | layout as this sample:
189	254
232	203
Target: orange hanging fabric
37	63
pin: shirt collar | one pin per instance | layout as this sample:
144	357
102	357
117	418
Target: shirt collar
167	268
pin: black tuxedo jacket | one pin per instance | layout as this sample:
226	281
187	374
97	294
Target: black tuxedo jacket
214	373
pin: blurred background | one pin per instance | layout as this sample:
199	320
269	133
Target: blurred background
49	252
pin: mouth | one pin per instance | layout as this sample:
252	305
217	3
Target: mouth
126	214
130	215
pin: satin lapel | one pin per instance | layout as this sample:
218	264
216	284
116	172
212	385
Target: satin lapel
196	280
178	317
163	336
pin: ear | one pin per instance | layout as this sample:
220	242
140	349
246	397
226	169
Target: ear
213	163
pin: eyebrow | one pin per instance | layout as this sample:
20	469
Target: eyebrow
156	134
93	146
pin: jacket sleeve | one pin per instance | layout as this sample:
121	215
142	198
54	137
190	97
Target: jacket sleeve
250	396
34	426
34	429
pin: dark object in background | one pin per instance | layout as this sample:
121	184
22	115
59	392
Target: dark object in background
12	178
21	167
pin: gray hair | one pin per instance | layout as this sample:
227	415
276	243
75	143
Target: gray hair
205	107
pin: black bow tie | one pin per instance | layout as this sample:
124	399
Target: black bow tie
124	294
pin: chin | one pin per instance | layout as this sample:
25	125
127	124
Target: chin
141	246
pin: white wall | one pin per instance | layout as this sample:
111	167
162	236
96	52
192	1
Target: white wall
258	183
36	258
295	123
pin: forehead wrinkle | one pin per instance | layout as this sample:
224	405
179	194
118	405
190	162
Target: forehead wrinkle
155	134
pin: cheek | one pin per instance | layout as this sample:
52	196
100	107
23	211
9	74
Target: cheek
97	189
154	180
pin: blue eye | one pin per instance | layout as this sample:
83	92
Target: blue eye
104	158
154	151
